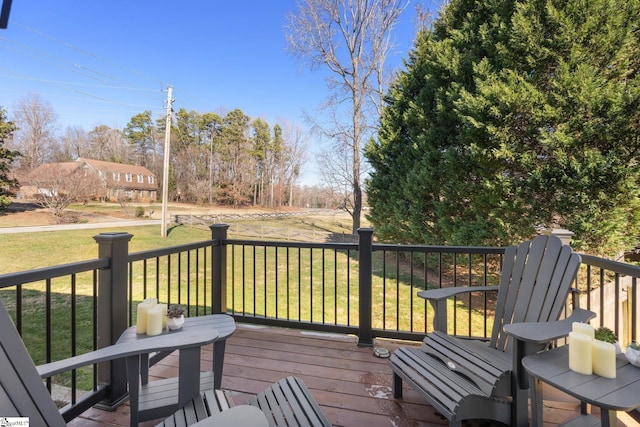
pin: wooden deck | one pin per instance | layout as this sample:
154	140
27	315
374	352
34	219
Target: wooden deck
352	386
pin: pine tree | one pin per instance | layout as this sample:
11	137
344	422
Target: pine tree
510	115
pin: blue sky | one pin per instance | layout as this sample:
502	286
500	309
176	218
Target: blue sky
102	62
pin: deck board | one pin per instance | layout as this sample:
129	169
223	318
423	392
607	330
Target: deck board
351	385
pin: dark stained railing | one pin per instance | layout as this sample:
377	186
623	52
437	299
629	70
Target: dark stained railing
175	275
55	310
610	289
361	288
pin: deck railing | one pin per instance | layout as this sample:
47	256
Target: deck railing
363	288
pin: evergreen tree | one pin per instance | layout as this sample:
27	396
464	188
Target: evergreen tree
6	157
140	132
510	115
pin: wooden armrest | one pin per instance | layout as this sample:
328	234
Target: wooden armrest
242	415
532	337
444	293
193	337
438	300
545	332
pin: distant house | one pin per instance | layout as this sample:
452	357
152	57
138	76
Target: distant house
115	181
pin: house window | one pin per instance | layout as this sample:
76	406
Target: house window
116	176
129	177
140	179
102	174
150	179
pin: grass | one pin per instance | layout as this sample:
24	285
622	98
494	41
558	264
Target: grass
26	251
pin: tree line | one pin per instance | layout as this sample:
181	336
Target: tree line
228	159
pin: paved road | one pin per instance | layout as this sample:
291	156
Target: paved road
59	227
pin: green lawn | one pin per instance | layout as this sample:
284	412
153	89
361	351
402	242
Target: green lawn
25	251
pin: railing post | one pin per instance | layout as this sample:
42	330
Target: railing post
112	309
219	268
562	233
365	255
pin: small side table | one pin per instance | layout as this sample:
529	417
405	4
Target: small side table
223	323
611	395
163	397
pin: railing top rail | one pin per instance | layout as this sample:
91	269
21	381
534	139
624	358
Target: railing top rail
23	277
283	244
607	264
153	253
439	249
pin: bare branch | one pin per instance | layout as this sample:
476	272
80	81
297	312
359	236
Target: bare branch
60	184
351	38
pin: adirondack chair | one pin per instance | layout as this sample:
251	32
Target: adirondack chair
22	391
476	379
287	403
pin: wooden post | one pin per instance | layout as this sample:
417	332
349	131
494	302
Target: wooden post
365	255
112	309
219	268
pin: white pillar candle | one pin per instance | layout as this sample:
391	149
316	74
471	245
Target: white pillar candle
580	353
141	314
154	320
163	307
604	359
584	328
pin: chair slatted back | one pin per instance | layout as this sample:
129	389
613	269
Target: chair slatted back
534	284
22	392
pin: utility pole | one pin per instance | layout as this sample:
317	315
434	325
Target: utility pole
165	171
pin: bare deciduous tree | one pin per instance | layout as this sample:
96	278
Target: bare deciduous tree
73	144
109	145
351	38
294	156
35	137
59	184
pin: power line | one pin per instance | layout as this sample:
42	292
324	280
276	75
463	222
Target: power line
86	52
40	56
41	80
104	79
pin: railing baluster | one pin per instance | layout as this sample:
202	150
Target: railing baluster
634	306
335	287
179	290
188	280
19	308
74	332
288	287
264	279
168	284
322	288
47	334
311	285
411	288
384	289
348	287
204	283
277	281
130	286
94	324
299	284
